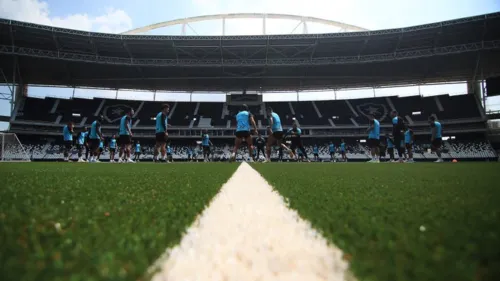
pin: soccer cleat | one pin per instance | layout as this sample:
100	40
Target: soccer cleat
130	161
439	161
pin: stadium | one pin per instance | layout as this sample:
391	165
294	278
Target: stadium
357	221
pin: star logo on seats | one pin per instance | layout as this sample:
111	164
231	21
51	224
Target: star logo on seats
376	109
114	113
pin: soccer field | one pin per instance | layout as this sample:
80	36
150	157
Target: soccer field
422	221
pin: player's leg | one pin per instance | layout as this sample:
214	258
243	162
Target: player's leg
436	147
248	140
80	152
304	153
87	151
270	141
237	143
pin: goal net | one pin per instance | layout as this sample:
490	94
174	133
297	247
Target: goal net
11	148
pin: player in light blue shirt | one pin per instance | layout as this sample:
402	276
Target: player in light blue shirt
68	139
245	123
101	149
390	146
125	137
189	153
276	134
161	133
374	139
316	152
169	153
95	136
81	142
112	149
205	144
436	137
408	136
331	149
343	150
137	151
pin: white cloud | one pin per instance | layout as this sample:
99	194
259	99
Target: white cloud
36	11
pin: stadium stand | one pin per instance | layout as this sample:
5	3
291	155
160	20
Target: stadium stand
438	52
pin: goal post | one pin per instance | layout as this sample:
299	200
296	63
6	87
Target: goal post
11	148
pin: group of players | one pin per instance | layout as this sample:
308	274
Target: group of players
400	140
92	140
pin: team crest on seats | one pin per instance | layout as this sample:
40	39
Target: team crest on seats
376	109
113	113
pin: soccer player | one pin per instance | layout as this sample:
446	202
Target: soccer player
206	143
331	148
112	149
68	139
126	137
137	153
276	134
374	139
169	154
436	137
409	144
295	134
316	152
390	147
100	150
189	153
81	143
343	150
397	133
161	133
260	144
95	136
244	119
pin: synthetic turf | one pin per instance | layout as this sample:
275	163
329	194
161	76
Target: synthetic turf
115	219
421	221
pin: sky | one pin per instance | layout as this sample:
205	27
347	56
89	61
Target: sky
115	16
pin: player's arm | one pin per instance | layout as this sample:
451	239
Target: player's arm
433	132
98	129
372	124
252	122
163	122
127	126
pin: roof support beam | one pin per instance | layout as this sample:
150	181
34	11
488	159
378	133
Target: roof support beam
334	60
314	49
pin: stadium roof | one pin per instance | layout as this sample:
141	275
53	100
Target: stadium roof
457	50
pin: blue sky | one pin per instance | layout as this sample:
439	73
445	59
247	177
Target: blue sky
115	16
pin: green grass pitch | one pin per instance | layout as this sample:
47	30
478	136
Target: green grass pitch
374	213
115	220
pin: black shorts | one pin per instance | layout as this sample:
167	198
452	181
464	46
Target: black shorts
295	144
397	141
242	134
137	152
278	135
332	153
68	144
408	145
316	155
437	142
79	146
206	149
101	149
112	149
161	138
93	144
372	143
125	139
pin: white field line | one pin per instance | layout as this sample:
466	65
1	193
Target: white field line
248	233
